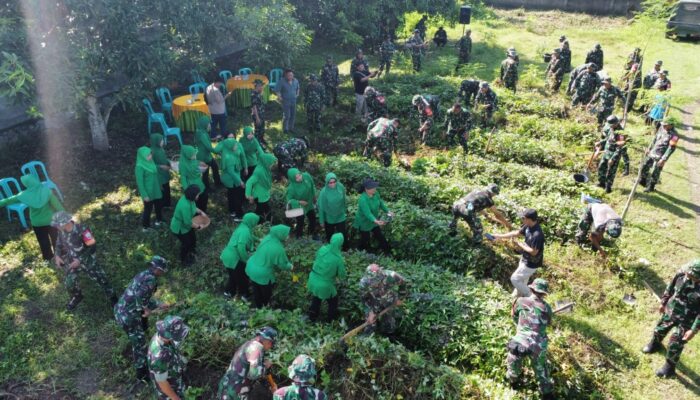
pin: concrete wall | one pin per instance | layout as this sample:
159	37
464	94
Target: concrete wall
602	7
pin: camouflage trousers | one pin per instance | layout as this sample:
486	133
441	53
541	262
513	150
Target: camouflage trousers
604	114
581	97
462	136
137	337
88	265
330	97
313	119
607	168
649	180
381	144
510	84
675	343
553	82
178	386
463	57
584	225
385	64
472	219
386	325
229	390
260	132
538	358
417	60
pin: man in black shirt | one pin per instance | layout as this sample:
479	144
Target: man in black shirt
361	79
440	37
533	251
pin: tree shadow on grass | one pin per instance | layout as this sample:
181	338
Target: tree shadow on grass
662	202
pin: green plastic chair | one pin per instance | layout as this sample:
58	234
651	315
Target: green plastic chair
275	75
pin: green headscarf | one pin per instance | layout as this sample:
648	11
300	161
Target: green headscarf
264	175
303	190
159	156
331	202
36	195
203	123
278	233
142	160
232	150
241	242
251	147
328	266
189	165
333	248
270	255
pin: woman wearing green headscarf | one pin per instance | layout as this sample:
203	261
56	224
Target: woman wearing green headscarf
42	205
148	184
163	164
261	266
253	151
232	163
332	208
368	219
181	224
191	174
258	187
301	192
204	150
328	266
236	254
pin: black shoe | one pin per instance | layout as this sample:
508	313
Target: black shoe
667	371
142	374
643	182
651	347
74	301
608	189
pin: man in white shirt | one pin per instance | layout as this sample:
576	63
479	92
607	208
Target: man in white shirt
217	108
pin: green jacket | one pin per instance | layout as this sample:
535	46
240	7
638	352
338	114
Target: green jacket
185	210
241	242
189	168
269	255
160	158
332	203
367	211
328	266
260	183
42	203
252	149
203	141
298	191
146	172
232	163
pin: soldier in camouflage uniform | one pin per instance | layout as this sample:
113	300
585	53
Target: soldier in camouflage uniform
359	59
653	75
465	48
612	146
469	207
612	123
416	45
596	56
386	53
575	73
133	308
381	288
565	53
382	136
664	145
585	84
468	90
376	104
247	366
532	315
662	82
509	71
428	108
313	101
680	306
166	364
330	78
291	154
458	123
606	96
302	372
635	57
75	252
257	112
486	101
554	73
632	82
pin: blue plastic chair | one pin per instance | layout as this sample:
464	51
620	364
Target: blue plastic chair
33	168
197	88
197	77
168	131
225	75
152	115
17	207
275	76
245	73
166	101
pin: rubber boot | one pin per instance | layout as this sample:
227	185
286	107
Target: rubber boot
626	170
668	370
608	187
651	347
74	301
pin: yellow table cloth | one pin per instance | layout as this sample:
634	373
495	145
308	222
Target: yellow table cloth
186	112
242	88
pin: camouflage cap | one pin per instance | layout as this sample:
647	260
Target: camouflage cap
303	369
614	228
607	80
597	46
159	263
592	65
693	268
373	269
612	119
484	84
61	218
659	63
664	72
313	77
268	333
539	285
562	38
557	51
172	328
493	188
416	31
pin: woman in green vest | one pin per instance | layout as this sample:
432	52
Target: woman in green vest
191	174
163	163
253	151
332	208
204	150
261	266
182	226
148	184
233	162
301	193
368	218
42	205
328	266
236	254
258	187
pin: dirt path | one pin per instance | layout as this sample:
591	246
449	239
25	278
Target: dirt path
692	145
